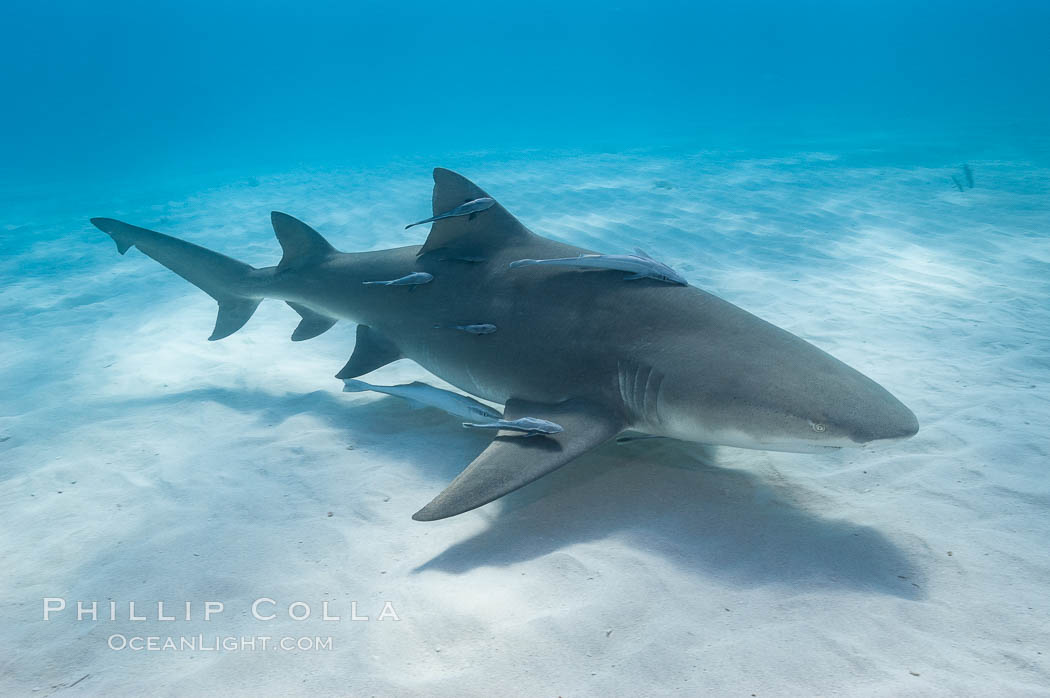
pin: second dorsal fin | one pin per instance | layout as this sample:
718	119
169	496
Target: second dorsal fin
493	226
301	243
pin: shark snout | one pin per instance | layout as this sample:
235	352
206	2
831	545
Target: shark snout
883	418
850	411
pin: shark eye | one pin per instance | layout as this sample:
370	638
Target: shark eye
818	427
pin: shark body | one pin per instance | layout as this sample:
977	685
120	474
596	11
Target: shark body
584	351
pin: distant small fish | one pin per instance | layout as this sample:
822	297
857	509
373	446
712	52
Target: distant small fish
428	396
640	264
480	328
467	209
968	173
530	426
958	184
413	279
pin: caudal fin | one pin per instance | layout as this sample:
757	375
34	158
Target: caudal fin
223	278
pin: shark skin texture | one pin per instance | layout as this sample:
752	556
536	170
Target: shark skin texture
594	351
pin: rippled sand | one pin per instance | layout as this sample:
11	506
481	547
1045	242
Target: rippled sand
143	463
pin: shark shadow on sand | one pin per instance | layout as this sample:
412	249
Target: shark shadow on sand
669	498
736	526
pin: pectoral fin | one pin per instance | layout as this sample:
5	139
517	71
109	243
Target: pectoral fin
513	460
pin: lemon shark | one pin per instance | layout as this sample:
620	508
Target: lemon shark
584	350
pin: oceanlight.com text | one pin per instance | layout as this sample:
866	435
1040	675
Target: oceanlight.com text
217	643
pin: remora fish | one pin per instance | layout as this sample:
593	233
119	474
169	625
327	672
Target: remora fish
530	426
428	395
467	209
640	264
414	279
585	351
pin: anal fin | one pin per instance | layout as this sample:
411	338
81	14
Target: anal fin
513	461
312	324
371	351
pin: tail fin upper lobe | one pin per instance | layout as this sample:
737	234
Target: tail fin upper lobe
223	278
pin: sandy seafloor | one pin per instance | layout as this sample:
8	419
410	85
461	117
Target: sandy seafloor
143	463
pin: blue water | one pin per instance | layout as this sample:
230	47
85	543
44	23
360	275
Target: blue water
794	158
113	89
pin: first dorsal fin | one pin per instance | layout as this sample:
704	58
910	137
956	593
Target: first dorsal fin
493	226
371	351
301	243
